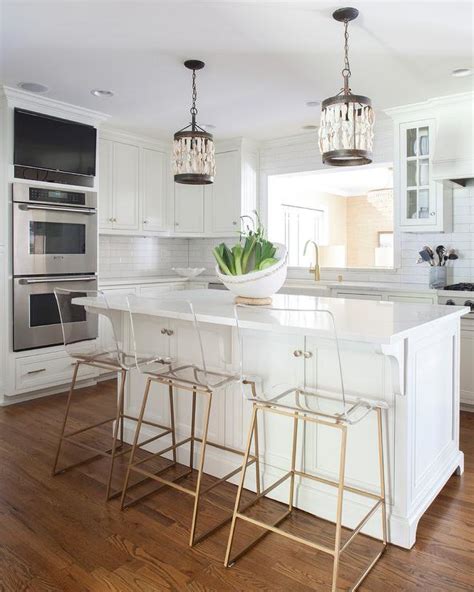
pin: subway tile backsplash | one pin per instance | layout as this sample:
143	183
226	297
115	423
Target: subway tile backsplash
121	256
125	256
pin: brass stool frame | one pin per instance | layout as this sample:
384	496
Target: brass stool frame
119	418
339	548
207	392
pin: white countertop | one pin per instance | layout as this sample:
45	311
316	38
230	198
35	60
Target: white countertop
364	321
363	286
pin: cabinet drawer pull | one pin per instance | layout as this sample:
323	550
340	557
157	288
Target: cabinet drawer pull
297	353
36	371
308	354
164	331
170	332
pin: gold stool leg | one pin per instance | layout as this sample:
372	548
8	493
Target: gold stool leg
340	494
135	441
230	541
201	468
66	415
118	423
173	432
193	428
257	456
382	476
293	462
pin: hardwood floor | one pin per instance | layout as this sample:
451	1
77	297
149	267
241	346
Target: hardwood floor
57	534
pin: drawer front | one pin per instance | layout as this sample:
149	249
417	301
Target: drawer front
36	372
403	298
360	296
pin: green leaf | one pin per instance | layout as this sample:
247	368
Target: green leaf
267	263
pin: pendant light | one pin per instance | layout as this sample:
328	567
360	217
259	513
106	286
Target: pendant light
193	148
346	130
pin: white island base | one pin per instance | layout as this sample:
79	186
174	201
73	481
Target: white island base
402	353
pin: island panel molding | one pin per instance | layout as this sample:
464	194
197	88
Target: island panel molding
376	340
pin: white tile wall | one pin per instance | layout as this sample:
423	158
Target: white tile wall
125	256
200	252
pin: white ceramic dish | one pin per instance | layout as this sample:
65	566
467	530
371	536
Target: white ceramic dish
188	272
258	284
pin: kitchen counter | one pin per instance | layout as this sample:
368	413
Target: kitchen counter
405	354
363	286
364	321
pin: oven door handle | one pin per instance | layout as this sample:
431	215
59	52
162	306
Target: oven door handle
61	280
71	210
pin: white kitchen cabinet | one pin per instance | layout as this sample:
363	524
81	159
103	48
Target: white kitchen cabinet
467	362
223	196
215	209
125	186
188	208
153	190
411	298
105	205
359	295
423	204
118	185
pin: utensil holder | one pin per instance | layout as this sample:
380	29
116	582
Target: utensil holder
438	277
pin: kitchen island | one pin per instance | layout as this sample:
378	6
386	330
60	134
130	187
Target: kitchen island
402	353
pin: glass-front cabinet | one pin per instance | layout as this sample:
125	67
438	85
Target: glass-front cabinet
417	189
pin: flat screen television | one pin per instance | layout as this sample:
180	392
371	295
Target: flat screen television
50	143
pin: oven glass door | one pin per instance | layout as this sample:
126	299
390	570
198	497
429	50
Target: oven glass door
36	315
51	240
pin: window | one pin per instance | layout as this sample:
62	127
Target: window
348	213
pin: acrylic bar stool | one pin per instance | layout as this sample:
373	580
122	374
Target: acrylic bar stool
105	353
303	405
186	379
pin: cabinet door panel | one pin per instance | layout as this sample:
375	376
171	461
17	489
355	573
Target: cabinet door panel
188	208
224	194
105	184
153	190
125	186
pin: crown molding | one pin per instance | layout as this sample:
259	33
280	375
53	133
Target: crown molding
25	100
433	103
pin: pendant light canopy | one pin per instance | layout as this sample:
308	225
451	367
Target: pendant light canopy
193	148
346	130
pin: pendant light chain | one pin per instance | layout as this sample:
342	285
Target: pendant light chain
346	71
193	109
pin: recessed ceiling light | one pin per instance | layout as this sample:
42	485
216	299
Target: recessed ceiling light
309	127
98	92
461	72
313	103
34	87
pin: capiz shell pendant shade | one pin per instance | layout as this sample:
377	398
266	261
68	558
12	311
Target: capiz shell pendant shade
346	131
193	155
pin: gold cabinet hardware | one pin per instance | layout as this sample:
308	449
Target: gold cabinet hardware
307	355
297	353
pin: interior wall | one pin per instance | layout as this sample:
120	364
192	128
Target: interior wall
367	217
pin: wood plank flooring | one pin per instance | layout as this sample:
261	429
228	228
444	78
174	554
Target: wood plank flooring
57	534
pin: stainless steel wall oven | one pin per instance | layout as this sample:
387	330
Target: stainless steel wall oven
54	244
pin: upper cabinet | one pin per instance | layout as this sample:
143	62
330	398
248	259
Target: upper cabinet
153	190
215	210
132	186
422	198
137	193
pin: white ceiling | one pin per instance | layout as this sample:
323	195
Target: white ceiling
264	59
348	183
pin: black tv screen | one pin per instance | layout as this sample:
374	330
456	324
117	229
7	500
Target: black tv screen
54	144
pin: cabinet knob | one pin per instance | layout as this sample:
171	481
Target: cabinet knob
176	223
308	355
234	223
432	213
297	353
164	332
170	332
145	221
111	219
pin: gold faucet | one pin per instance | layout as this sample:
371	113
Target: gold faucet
313	268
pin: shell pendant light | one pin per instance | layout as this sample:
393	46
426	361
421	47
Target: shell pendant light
193	148
346	131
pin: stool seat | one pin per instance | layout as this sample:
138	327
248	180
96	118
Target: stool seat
317	403
120	360
190	375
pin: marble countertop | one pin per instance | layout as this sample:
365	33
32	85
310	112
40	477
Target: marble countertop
366	321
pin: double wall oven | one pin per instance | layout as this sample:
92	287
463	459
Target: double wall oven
54	245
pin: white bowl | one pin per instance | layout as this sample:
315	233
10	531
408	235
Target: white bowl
188	272
258	284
